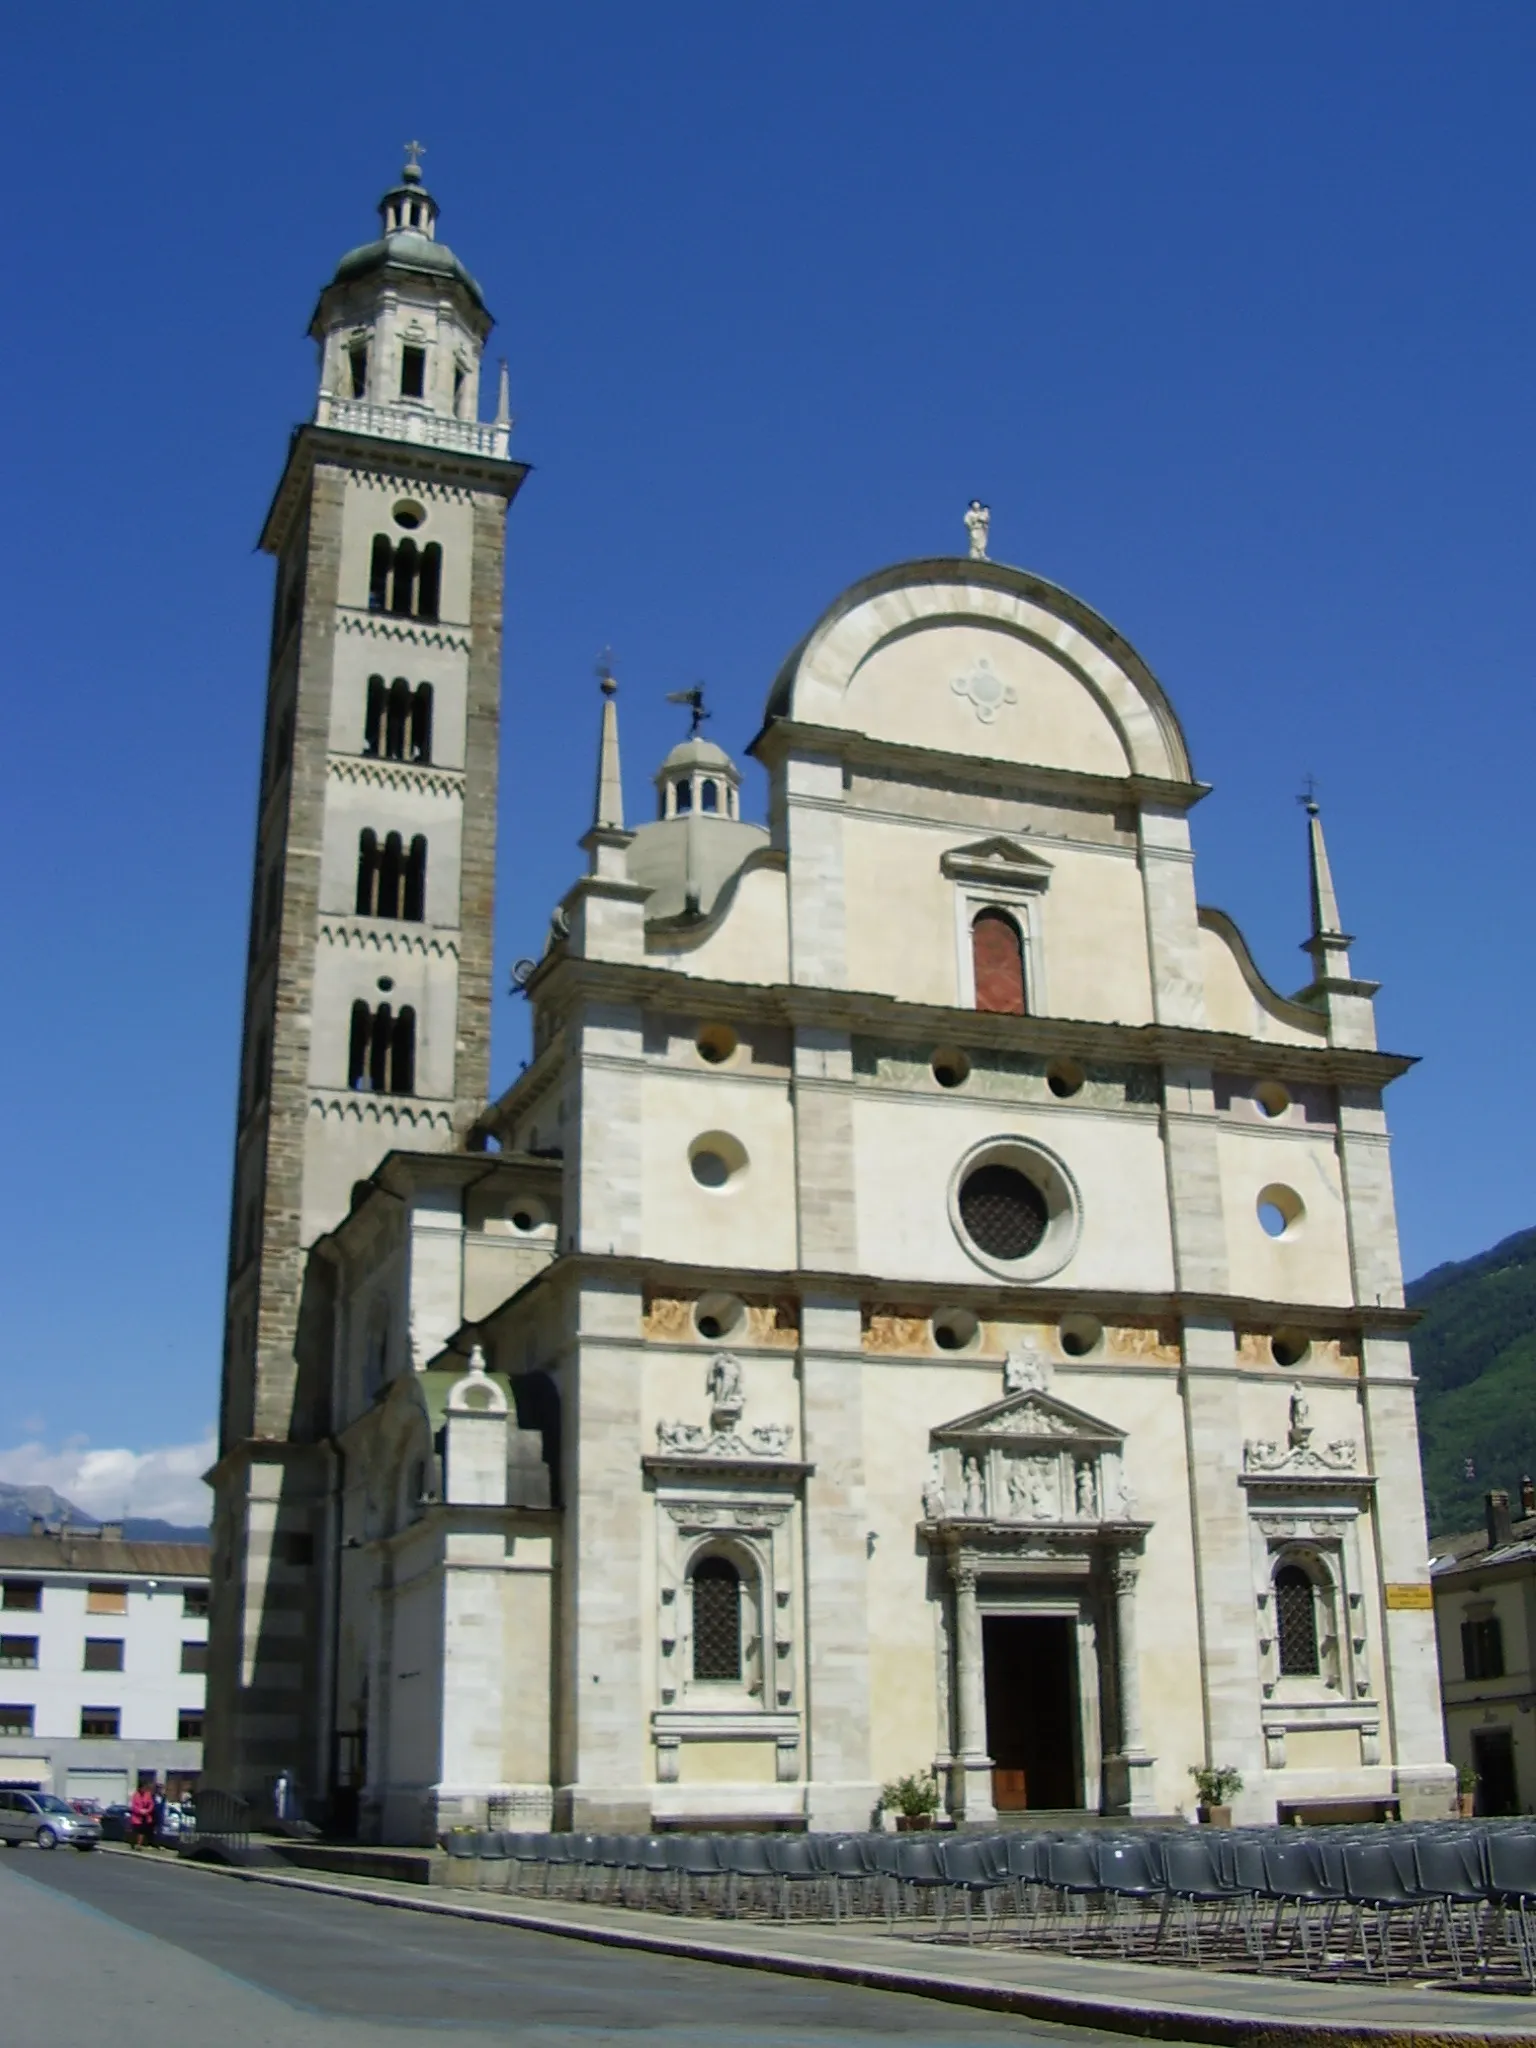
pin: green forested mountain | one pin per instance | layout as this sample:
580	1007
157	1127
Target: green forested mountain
1475	1355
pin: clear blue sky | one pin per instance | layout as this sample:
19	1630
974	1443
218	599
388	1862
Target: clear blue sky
1226	311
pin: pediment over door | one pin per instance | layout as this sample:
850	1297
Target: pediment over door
1028	1458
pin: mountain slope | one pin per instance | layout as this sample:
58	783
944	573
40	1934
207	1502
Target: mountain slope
1475	1356
18	1504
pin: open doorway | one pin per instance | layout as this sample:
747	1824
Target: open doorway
1032	1710
1493	1758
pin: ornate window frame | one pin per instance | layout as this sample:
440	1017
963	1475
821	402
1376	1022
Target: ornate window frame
998	874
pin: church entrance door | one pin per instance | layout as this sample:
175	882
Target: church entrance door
1032	1710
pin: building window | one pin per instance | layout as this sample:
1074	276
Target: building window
103	1653
295	1547
189	1725
1003	1211
381	1057
357	363
106	1597
18	1653
413	372
716	1619
103	1723
22	1596
194	1657
15	1720
1482	1648
709	795
404	580
1296	1622
682	797
421	723
194	1603
997	956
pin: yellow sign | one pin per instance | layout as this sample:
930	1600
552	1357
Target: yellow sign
1410	1593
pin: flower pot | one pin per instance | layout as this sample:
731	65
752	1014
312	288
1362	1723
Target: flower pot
1214	1816
1466	1804
906	1822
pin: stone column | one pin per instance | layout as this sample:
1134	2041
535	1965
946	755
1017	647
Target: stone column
1129	1773
975	1771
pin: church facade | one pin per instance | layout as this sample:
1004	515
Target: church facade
927	1303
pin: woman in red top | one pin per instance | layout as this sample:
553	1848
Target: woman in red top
141	1814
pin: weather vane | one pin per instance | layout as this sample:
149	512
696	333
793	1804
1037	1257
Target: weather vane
1308	796
694	699
605	674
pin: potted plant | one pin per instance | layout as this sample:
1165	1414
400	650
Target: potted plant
914	1799
1466	1790
1216	1784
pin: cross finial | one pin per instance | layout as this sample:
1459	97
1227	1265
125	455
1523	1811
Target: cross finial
605	674
414	152
1308	797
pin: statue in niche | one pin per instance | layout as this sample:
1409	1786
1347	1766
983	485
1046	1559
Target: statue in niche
1301	1420
975	1487
724	1386
1087	1491
933	1490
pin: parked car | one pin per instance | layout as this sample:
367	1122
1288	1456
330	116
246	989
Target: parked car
114	1823
88	1806
44	1818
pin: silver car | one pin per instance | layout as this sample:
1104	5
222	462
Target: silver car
42	1817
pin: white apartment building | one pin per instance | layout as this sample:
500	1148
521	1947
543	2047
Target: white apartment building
103	1650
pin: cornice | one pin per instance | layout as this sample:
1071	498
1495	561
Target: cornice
414	778
785	736
414	632
562	978
384	935
367	454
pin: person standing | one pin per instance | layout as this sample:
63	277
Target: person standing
157	1817
141	1813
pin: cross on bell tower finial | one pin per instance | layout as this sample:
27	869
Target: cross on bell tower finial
414	152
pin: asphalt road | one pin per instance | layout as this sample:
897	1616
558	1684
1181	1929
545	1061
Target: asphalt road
132	1952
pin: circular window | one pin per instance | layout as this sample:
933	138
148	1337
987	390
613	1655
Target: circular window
386	983
1064	1077
409	514
955	1329
717	1159
1080	1335
715	1043
717	1316
1003	1210
1015	1208
526	1214
950	1067
1289	1347
1280	1210
1273	1098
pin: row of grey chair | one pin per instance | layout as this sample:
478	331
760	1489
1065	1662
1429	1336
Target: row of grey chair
1431	1896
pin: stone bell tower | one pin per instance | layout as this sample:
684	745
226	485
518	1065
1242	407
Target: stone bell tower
368	975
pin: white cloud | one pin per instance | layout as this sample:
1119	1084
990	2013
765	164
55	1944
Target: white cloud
107	1484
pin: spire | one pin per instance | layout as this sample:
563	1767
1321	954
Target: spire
609	813
503	397
1329	943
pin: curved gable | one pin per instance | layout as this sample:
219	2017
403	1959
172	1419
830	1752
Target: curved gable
972	657
1238	998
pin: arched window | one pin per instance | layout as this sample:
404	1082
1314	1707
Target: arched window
413	369
997	955
421	723
367	872
709	796
414	906
716	1619
391	874
373	721
357	1050
403	587
1296	1622
430	586
378	573
684	795
402	1052
397	719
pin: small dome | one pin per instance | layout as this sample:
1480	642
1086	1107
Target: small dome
698	752
408	249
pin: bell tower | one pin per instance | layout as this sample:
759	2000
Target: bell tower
368	974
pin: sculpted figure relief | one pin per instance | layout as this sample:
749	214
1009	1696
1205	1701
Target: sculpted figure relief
975	1487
